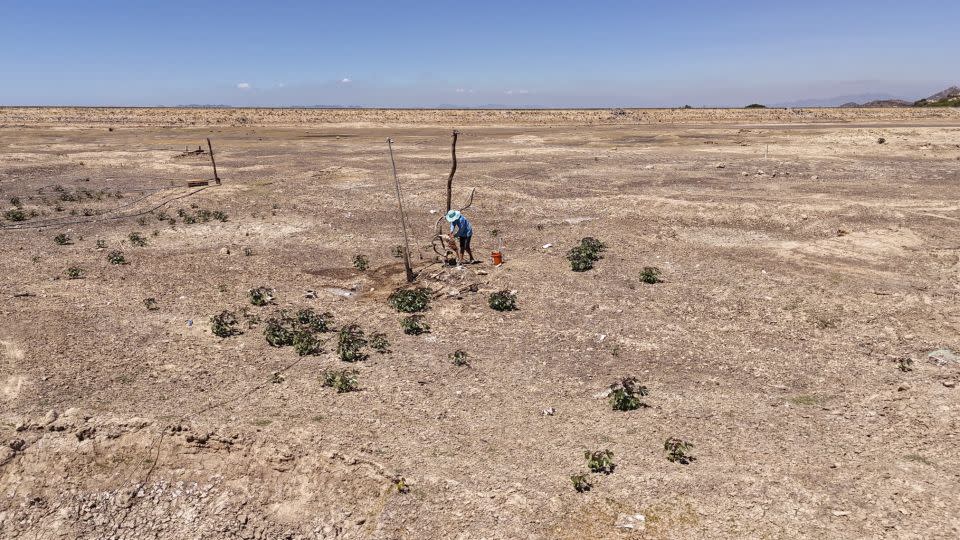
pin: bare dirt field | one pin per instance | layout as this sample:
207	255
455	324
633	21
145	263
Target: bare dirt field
804	338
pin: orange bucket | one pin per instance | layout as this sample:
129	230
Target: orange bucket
497	258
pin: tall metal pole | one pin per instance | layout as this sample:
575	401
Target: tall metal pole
403	217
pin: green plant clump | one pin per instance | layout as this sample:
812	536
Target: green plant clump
342	381
278	332
600	461
414	325
137	239
150	304
503	301
583	256
410	300
261	296
379	342
650	275
350	343
581	483
313	321
116	257
678	451
224	324
360	262
62	240
74	272
625	395
459	358
306	343
15	215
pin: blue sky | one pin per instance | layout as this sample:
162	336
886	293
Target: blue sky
429	53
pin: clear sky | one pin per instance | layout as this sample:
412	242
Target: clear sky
555	53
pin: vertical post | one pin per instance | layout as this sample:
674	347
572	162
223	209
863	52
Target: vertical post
403	217
453	169
210	147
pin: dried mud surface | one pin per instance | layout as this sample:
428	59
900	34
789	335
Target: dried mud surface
804	265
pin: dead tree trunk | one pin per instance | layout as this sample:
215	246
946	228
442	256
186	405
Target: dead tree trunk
403	217
453	169
215	177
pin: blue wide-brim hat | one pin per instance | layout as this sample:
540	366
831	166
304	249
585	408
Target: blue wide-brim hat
453	215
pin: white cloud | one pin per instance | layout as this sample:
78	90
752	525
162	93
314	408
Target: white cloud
519	92
243	86
346	80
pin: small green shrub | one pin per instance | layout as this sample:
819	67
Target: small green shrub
581	483
379	343
75	272
15	201
410	300
414	325
150	304
350	343
360	262
401	484
261	296
503	301
101	244
15	215
650	275
116	257
312	321
342	381
137	239
219	216
625	395
678	451
600	461
278	331
905	364
306	343
583	256
62	240
224	324
459	358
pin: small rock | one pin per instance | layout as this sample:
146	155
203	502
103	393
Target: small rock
721	165
17	445
549	411
744	173
950	384
841	513
635	522
903	387
225	251
815	177
547	246
50	417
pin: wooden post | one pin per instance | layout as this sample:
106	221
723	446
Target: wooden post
215	177
403	217
453	169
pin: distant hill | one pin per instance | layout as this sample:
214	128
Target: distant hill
838	101
880	103
947	98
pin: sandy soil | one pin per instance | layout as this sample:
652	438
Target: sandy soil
808	272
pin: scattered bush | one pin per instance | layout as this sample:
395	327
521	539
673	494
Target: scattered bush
150	304
341	380
583	256
74	272
313	321
459	358
503	301
224	324
625	395
379	343
650	275
350	344
261	296
116	257
414	325
600	461
755	106
15	201
137	239
277	332
905	364
62	240
15	215
678	451
881	140
401	484
219	216
410	300
305	343
581	483
247	252
101	244
360	262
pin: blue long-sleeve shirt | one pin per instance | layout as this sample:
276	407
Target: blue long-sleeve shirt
461	228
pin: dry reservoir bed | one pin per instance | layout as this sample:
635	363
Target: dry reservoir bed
804	336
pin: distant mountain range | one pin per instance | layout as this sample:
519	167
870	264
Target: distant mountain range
946	98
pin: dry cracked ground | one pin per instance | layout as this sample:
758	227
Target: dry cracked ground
804	337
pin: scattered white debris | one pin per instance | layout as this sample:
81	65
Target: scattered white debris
339	292
549	411
635	522
942	357
841	513
547	246
601	337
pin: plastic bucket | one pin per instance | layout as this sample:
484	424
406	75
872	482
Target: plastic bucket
497	257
